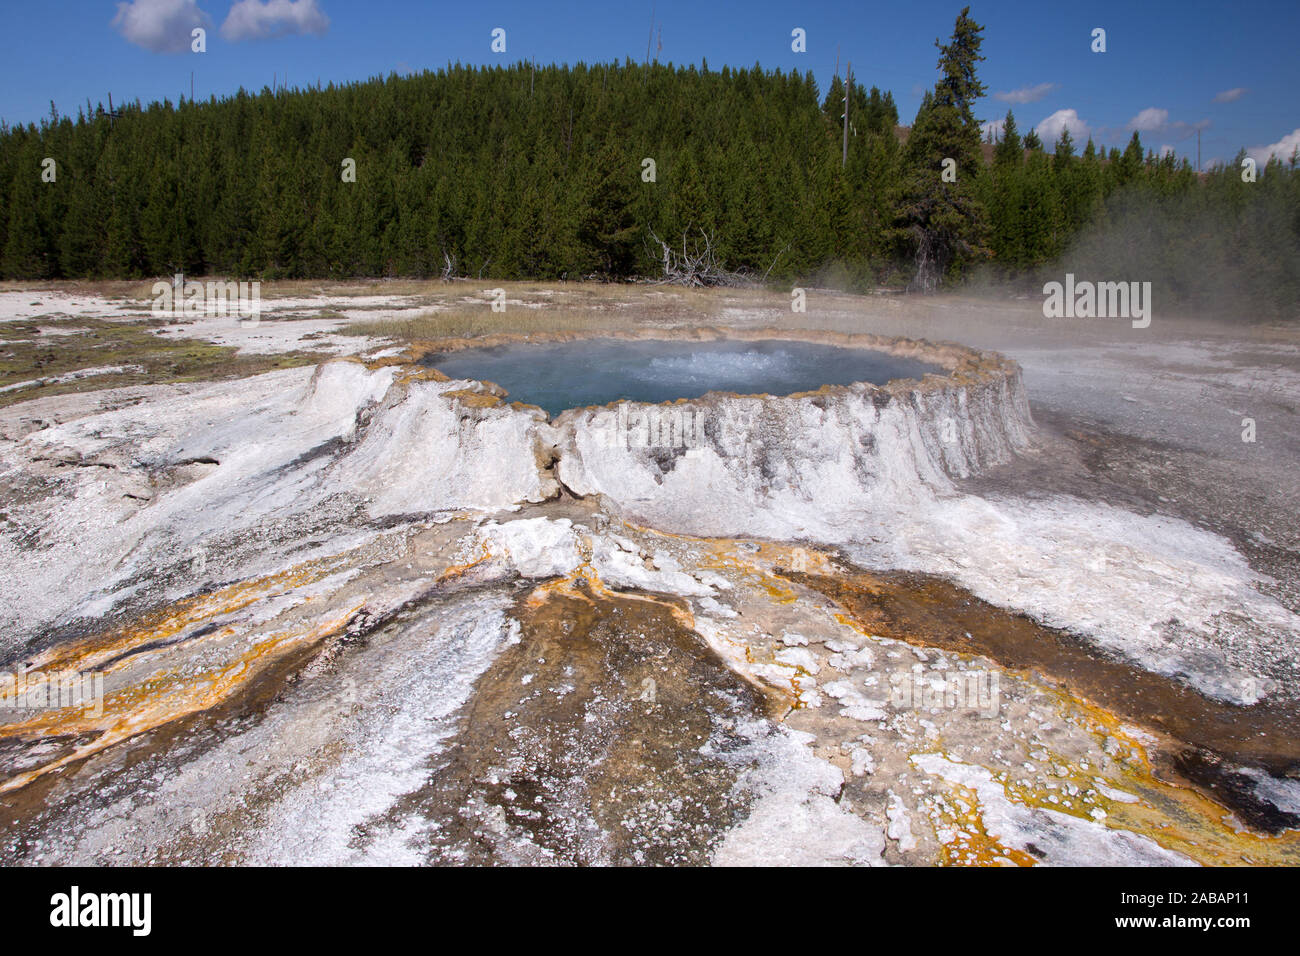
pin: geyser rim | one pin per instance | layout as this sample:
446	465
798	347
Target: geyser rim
964	364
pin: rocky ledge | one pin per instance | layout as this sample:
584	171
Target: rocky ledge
361	612
120	499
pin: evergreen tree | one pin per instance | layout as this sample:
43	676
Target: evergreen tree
1131	162
942	224
1008	151
513	173
1064	150
608	231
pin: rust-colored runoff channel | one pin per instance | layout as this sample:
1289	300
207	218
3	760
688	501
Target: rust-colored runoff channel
930	611
610	734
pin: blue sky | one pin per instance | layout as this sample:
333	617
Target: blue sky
1164	66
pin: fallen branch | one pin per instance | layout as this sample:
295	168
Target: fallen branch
696	264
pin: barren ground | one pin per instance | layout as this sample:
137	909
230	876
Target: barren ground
538	678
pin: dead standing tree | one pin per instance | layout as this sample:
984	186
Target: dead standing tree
448	267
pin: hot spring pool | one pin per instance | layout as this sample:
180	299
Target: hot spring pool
565	375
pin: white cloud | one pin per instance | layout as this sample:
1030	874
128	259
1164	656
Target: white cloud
1165	150
1049	130
1150	119
1156	122
162	26
1026	94
262	19
1232	95
1282	149
996	125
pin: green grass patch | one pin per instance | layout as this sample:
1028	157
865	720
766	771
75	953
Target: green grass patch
27	356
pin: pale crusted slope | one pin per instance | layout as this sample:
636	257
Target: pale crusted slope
792	467
872	470
157	498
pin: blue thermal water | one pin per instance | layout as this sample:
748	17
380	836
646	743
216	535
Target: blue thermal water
598	371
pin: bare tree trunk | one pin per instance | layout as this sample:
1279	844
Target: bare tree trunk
696	264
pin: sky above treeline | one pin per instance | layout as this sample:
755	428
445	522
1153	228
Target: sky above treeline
1227	69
